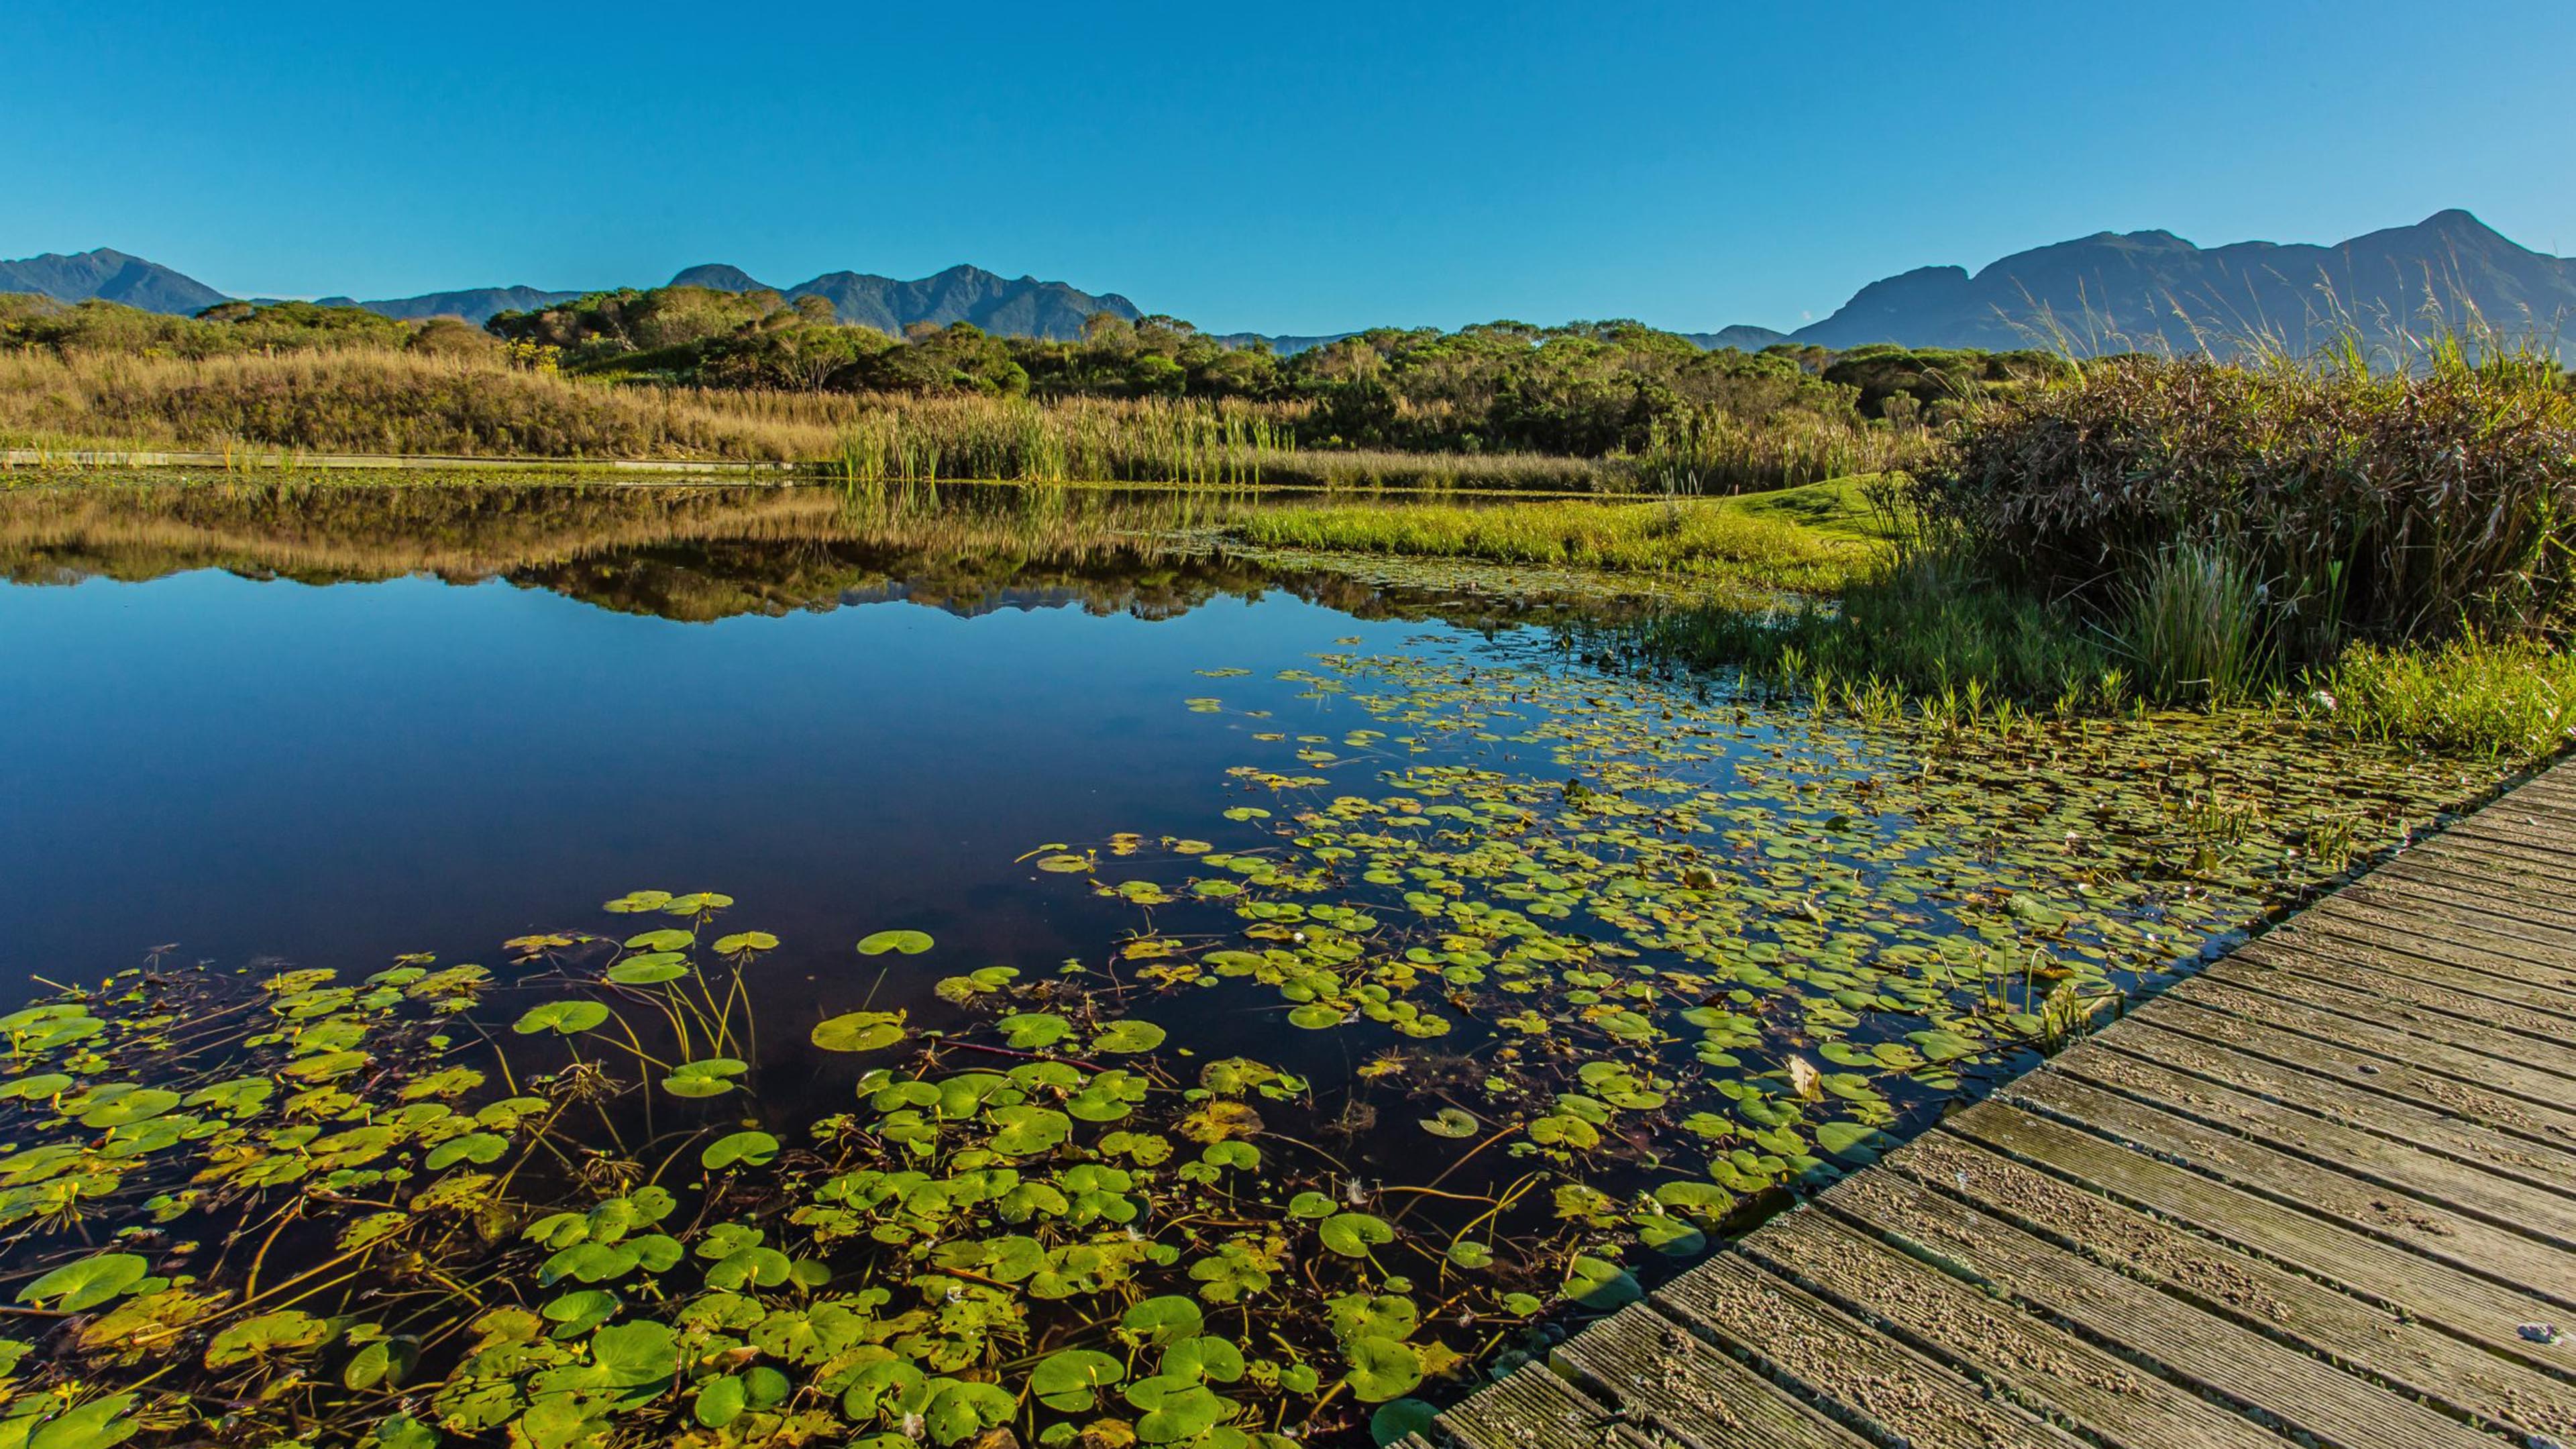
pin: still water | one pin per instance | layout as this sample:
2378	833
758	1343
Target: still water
1319	982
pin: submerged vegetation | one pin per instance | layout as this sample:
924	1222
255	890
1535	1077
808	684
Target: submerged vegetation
1542	1021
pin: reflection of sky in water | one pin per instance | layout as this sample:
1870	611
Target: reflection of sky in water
338	774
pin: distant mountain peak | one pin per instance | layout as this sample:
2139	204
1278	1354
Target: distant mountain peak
2117	291
107	273
720	277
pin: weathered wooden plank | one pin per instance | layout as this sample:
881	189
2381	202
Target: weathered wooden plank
2183	1343
2543	1037
2525	811
2040	1366
2467	859
2436	1132
2360	1056
2250	969
2412	954
2367	1339
2523	924
2535	954
2470	1307
2485	975
2427	1227
1532	1408
1661	1375
2549	840
2542	1214
2546	896
2526	882
1888	1392
2485	857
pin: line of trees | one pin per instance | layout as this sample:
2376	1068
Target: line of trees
1585	389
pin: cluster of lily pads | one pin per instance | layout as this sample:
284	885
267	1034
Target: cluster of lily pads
406	1210
1575	971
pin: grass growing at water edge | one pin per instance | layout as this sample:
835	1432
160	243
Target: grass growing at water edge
2509	700
1814	540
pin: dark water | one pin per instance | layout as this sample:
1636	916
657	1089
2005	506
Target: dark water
216	749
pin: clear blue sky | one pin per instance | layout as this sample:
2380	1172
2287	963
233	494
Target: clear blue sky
1286	168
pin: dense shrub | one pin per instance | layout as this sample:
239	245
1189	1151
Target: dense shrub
2375	505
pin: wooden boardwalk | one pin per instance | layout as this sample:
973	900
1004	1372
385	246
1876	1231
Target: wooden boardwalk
2323	1192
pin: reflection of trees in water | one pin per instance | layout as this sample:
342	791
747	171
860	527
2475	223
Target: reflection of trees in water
706	553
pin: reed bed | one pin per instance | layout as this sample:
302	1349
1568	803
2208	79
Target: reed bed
1713	451
371	400
399	403
2511	699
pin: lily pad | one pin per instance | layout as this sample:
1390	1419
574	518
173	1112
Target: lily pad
564	1018
77	1287
908	943
739	1149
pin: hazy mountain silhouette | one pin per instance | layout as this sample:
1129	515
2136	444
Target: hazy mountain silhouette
2115	292
111	275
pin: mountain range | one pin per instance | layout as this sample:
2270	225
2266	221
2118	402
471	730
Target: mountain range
2111	291
2117	291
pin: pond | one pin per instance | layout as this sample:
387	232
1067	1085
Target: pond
751	966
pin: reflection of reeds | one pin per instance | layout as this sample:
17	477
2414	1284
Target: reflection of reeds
334	531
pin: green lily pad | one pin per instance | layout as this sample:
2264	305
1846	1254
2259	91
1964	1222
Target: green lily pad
564	1018
1127	1037
649	969
77	1287
739	1149
1450	1122
1070	1381
909	943
710	1077
1381	1369
1353	1234
97	1424
859	1031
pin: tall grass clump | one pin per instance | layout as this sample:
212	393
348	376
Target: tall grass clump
2362	504
2192	622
